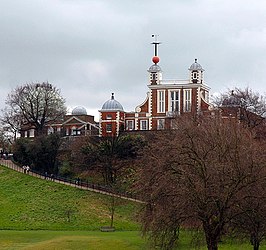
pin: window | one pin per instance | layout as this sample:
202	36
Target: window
31	134
108	127
174	101
206	96
160	124
50	130
109	117
187	100
75	131
130	125
195	75
161	101
143	125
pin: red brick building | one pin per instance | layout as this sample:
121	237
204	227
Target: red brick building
78	123
165	100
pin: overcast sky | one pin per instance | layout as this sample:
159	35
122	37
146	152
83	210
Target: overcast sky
91	48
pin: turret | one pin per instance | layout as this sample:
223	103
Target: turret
112	118
196	73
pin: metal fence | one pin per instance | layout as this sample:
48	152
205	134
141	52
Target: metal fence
71	182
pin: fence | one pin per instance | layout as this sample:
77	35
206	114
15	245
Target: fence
71	182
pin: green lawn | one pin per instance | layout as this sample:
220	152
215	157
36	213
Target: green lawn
39	214
78	240
91	240
29	203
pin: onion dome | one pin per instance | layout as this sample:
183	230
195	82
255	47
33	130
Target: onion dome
231	101
154	68
196	66
79	111
112	104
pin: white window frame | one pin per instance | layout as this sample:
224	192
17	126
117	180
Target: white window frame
174	104
130	125
206	96
50	130
109	127
108	117
160	124
143	124
187	96
161	101
31	133
73	130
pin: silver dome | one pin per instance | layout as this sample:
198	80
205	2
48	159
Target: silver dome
154	68
112	104
79	111
232	101
196	66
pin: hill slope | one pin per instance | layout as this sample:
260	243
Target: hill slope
30	203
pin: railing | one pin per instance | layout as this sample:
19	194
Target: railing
172	113
71	182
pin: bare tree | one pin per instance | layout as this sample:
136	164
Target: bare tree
198	172
109	156
33	105
250	215
251	104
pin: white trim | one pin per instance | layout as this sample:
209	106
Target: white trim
141	124
184	86
132	125
170	100
146	99
187	101
160	124
161	101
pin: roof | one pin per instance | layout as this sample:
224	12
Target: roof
232	101
196	66
112	104
154	68
79	111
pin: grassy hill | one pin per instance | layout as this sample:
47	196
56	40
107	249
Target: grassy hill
28	203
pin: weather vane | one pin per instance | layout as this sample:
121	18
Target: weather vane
156	43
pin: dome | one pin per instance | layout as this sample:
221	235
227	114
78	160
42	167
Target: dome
79	111
154	68
232	101
112	104
196	66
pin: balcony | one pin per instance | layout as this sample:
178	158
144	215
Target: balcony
172	114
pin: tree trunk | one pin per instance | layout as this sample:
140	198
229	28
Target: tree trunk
212	236
112	210
256	246
212	243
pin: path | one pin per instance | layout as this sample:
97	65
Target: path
11	165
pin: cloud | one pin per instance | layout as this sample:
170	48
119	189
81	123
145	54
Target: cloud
92	48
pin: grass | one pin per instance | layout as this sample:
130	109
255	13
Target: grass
93	240
28	203
78	240
40	214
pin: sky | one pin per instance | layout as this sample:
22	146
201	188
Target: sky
91	48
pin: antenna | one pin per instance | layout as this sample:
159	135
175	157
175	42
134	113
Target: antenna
155	43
